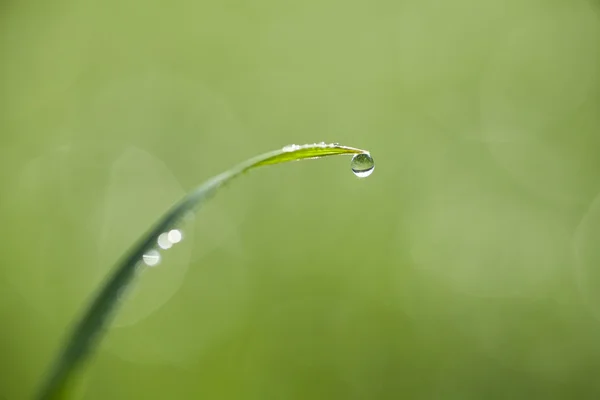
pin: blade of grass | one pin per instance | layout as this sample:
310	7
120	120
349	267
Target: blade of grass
60	381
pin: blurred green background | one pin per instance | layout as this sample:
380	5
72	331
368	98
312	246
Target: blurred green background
466	267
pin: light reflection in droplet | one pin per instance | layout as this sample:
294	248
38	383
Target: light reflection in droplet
163	241
174	236
151	258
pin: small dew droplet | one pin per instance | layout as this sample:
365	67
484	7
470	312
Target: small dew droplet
291	147
174	236
362	165
151	258
166	240
163	241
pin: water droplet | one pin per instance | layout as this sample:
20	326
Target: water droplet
291	147
163	241
151	258
362	165
174	236
166	240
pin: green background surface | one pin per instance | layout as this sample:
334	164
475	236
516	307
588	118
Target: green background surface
466	267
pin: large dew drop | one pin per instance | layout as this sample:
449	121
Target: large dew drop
362	165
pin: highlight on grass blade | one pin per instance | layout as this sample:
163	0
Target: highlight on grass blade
60	382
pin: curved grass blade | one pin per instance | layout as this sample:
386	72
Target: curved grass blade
61	380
